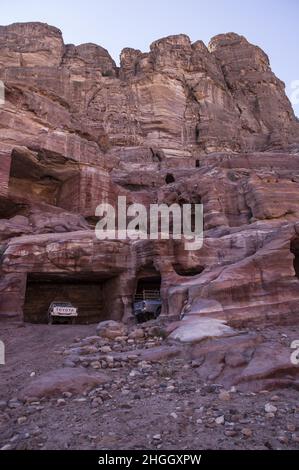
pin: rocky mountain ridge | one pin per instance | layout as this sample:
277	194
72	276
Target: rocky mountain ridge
181	123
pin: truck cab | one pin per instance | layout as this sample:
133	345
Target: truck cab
147	305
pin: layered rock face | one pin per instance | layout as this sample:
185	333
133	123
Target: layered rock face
182	123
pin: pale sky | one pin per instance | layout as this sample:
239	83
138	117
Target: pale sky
115	24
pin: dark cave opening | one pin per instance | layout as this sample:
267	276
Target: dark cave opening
148	284
187	271
86	292
169	178
295	250
147	300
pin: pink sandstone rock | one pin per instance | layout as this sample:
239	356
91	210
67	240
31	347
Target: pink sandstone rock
184	122
55	382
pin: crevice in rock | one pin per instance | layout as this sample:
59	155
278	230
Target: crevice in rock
295	250
169	178
187	271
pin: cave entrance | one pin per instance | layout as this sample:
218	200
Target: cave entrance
295	250
148	284
87	292
147	300
169	178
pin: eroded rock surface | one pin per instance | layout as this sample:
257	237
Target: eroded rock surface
182	123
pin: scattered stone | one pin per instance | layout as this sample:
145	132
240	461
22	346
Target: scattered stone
247	432
95	364
33	401
270	408
96	402
224	395
230	433
69	363
22	419
3	405
123	339
61	401
275	398
111	329
209	388
156	331
283	439
197	362
6	447
14	403
219	420
137	334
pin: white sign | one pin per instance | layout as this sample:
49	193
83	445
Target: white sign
65	311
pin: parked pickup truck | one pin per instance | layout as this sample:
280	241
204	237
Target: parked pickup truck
61	311
147	305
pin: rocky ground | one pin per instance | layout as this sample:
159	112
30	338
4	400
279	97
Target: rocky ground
136	403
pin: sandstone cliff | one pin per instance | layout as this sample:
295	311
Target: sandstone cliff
77	130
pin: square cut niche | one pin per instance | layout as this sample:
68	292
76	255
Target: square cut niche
43	176
85	291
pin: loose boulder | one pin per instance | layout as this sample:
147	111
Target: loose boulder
56	382
194	329
111	329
